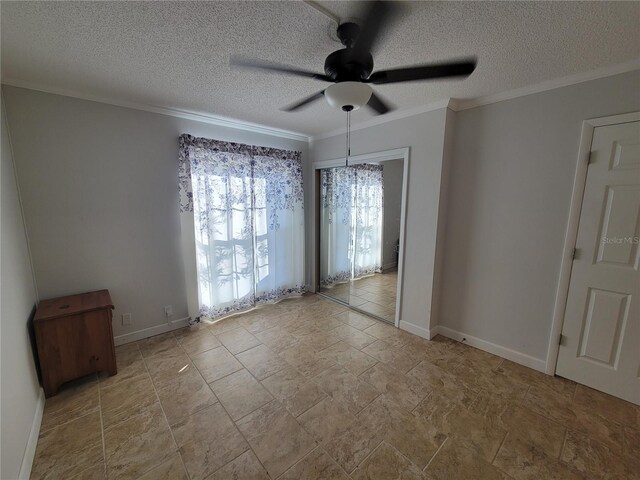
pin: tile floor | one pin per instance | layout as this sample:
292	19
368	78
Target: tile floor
374	294
305	389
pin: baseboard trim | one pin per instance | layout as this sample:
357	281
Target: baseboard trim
32	442
415	329
504	352
151	331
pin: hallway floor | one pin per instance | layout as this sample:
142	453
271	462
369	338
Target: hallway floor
306	389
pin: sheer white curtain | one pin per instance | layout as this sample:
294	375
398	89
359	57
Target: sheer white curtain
351	216
246	205
368	212
336	201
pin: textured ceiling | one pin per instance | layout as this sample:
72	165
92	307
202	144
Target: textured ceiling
175	54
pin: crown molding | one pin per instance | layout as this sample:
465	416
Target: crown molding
451	103
174	112
462	104
389	117
457	104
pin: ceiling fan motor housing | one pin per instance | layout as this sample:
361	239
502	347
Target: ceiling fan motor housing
348	65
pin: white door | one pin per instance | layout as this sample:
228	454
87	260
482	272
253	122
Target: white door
600	344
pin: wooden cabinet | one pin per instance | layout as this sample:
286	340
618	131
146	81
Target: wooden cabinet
74	338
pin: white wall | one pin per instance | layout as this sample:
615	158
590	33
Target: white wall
424	134
99	187
19	384
508	201
392	182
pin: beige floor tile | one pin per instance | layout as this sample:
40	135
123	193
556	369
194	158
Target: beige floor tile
171	469
346	388
240	393
402	389
525	462
307	362
534	429
317	465
532	377
491	407
73	400
472	430
327	419
595	460
166	367
238	340
413	436
257	322
354	337
480	359
355	319
315	339
438	380
477	376
631	442
294	391
277	339
126	399
569	414
349	358
439	405
327	323
136	446
216	363
350	447
225	325
157	344
185	396
409	393
276	438
455	461
441	354
68	449
127	354
208	440
393	356
199	342
261	361
97	472
129	364
244	467
386	463
608	407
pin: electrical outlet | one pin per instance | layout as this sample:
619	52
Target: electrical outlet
126	319
168	311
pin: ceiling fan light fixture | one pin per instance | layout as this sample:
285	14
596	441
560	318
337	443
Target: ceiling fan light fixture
348	94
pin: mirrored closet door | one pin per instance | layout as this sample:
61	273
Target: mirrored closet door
360	235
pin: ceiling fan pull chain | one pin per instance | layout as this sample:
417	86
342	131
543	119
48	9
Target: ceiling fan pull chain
348	137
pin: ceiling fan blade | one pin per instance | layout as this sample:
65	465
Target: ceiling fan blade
377	16
462	68
254	64
378	104
304	102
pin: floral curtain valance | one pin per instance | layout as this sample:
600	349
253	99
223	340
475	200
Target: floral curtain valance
198	151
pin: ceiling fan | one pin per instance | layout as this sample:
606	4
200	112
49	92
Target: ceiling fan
350	69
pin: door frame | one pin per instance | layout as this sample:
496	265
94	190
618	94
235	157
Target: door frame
579	182
381	156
